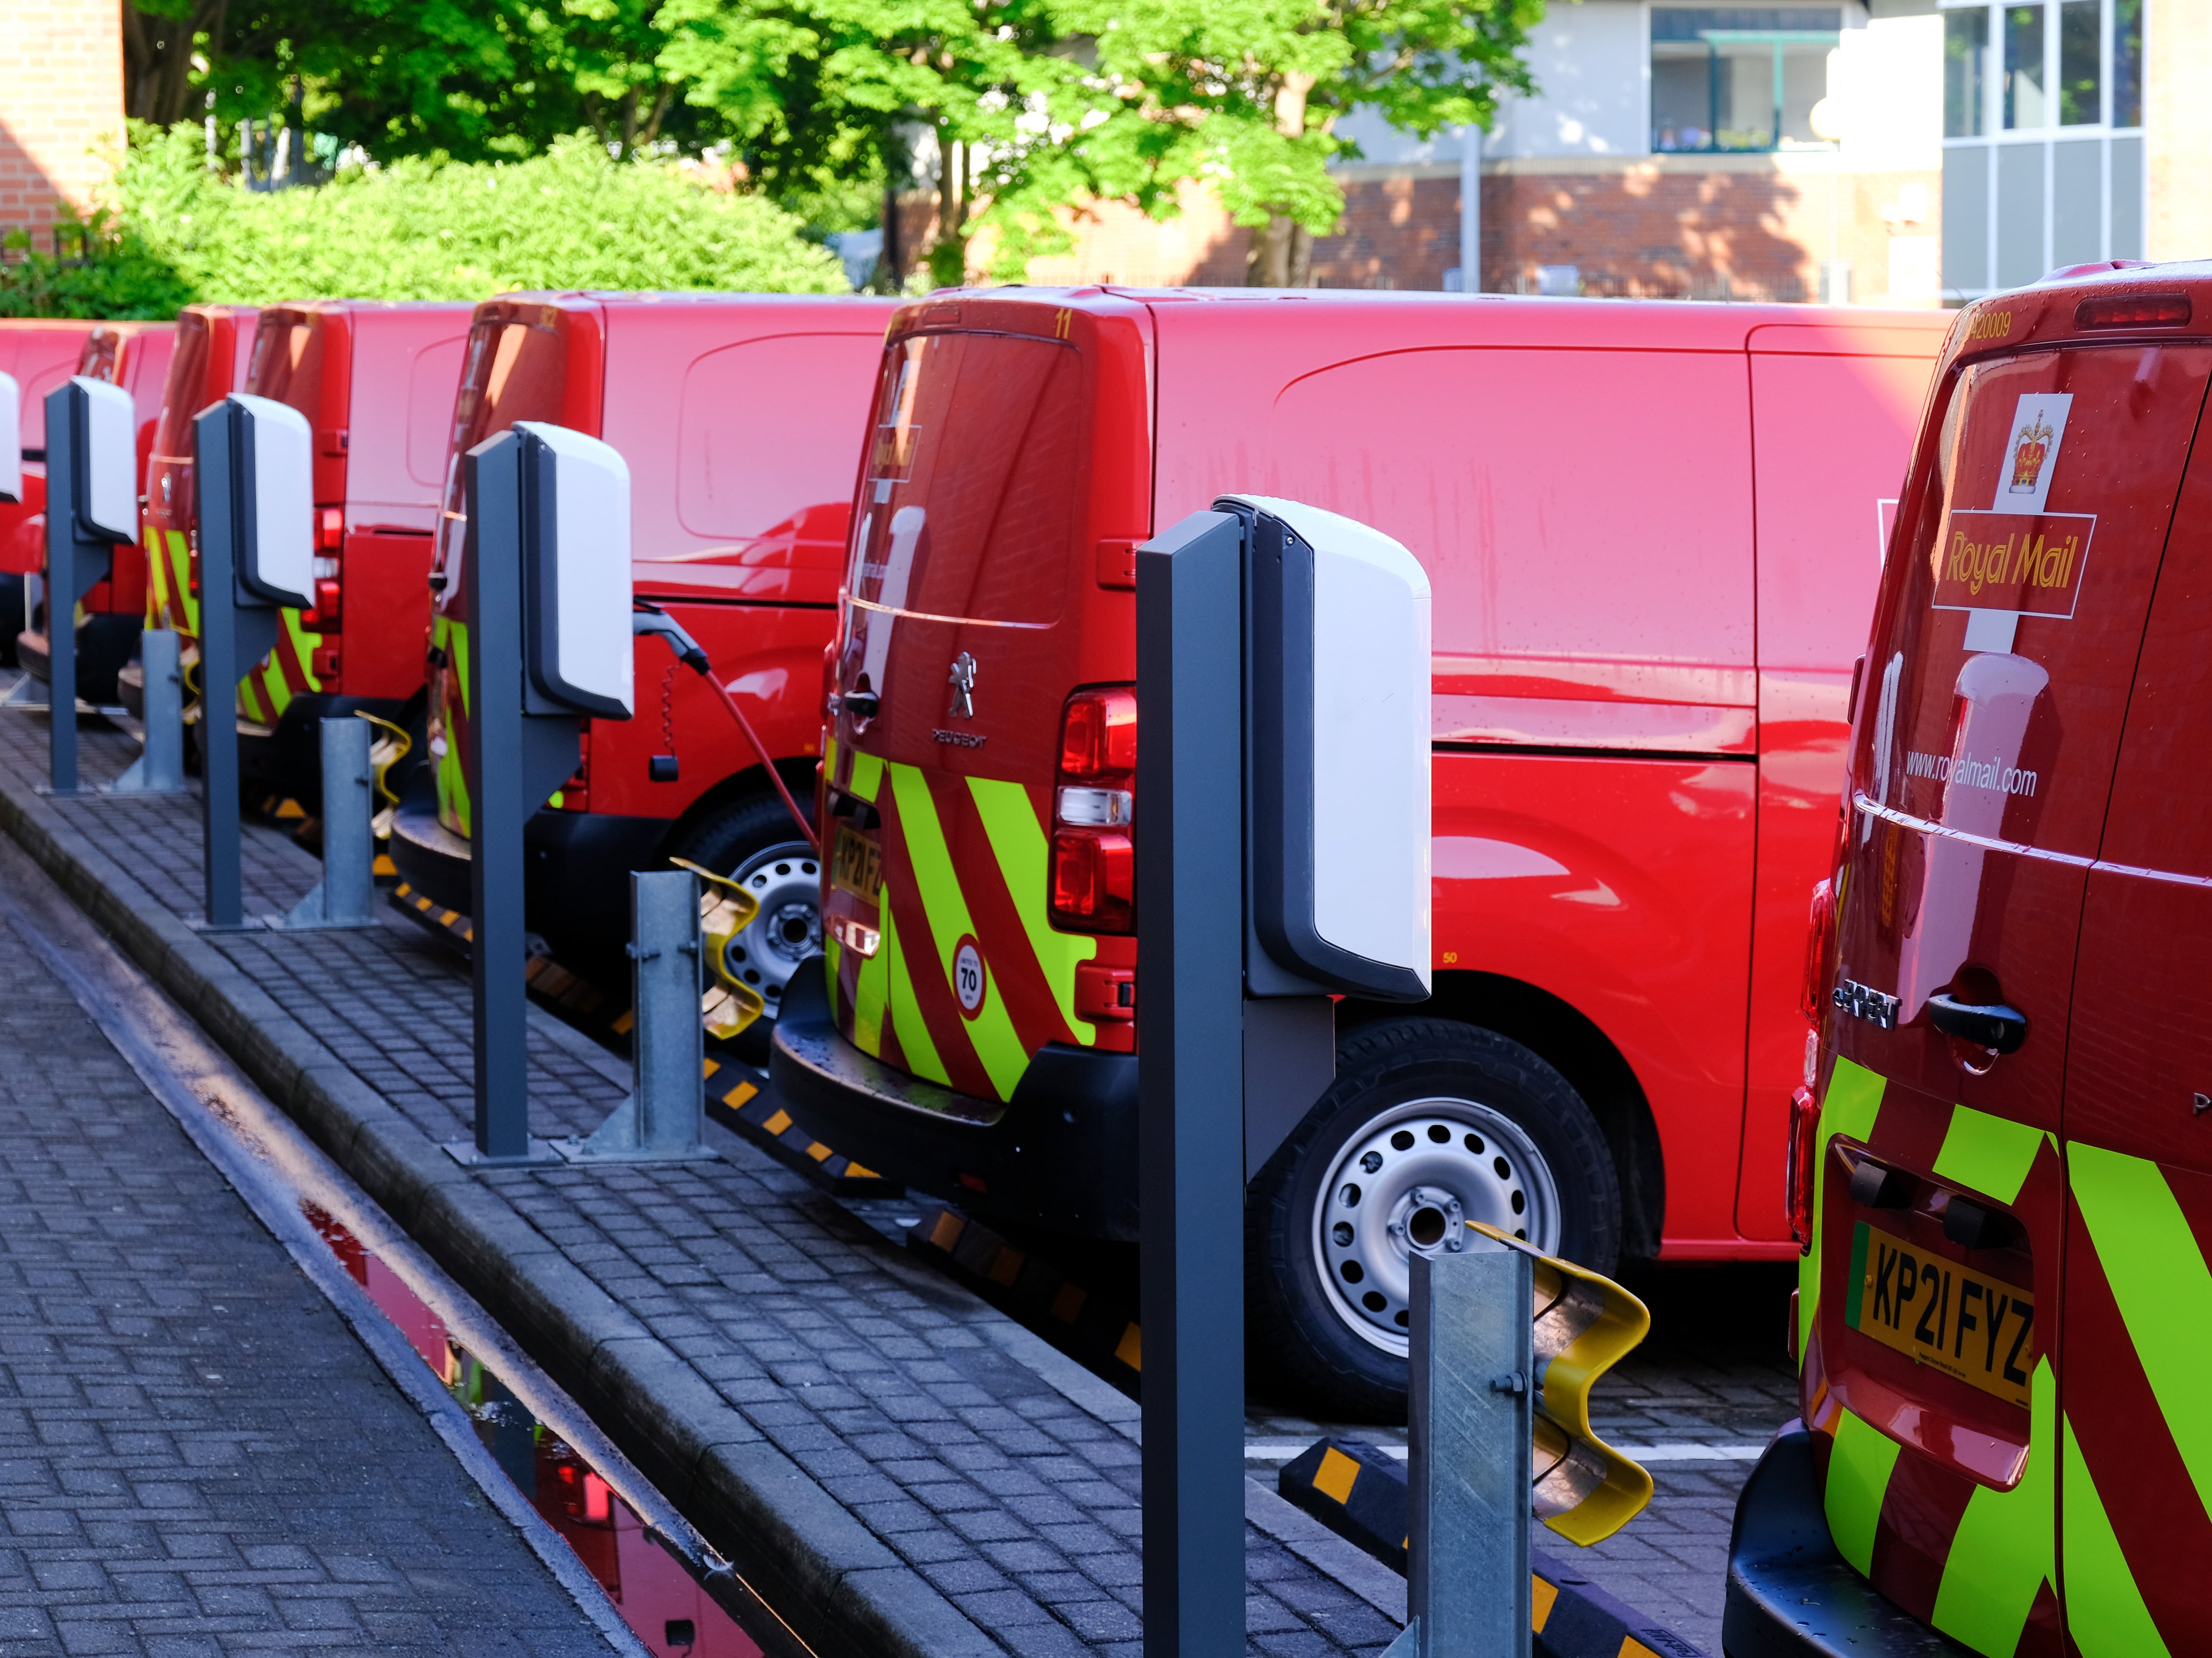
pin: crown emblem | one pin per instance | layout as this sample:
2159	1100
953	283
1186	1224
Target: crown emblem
2028	455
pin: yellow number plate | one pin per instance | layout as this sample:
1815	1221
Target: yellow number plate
858	865
1941	1314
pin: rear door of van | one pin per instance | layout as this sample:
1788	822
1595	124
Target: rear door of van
533	358
1991	708
1834	409
2138	1343
406	364
302	358
1010	442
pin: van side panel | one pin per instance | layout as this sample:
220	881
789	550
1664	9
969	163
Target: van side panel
1594	593
1623	888
1834	426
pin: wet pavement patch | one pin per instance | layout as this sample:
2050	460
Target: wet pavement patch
669	1611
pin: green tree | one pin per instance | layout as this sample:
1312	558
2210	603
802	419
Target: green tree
401	77
1272	77
418	229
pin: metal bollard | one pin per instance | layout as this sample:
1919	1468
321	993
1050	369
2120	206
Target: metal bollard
664	1118
344	897
160	767
1471	1420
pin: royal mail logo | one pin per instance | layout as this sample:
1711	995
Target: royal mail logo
2027	458
2039	426
2027	563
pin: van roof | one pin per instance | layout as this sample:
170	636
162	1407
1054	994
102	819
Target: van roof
626	298
1392	319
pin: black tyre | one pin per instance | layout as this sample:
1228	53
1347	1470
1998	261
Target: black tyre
753	840
1429	1125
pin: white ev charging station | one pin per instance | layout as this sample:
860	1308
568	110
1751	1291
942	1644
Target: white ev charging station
1285	857
545	565
255	459
92	503
11	440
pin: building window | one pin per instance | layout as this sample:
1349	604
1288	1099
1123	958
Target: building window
2041	66
2127	63
2043	148
1965	72
1740	77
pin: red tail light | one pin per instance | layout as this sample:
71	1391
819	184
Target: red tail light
330	529
1798	1164
1819	951
323	618
1094	860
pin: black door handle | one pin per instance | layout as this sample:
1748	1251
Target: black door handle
861	705
1986	1024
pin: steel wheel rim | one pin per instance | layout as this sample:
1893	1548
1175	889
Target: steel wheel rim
1384	1202
785	881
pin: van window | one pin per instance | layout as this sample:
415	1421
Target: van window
1586	506
288	365
976	465
750	452
2000	678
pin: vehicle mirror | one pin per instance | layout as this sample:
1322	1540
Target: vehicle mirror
577	653
275	545
11	439
107	470
1337	749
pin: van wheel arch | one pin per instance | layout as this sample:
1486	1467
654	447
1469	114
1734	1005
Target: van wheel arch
1575	1047
798	772
740	825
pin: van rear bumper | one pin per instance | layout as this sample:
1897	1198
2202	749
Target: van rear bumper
1060	1155
575	864
1791	1594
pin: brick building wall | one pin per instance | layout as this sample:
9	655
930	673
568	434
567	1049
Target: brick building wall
1751	227
61	103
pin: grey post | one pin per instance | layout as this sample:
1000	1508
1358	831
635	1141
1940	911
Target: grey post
160	767
516	760
345	895
1472	1418
77	559
234	637
1190	1130
664	1118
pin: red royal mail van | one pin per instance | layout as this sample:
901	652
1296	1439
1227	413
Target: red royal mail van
134	355
2002	1177
739	416
38	355
1653	532
214	345
375	381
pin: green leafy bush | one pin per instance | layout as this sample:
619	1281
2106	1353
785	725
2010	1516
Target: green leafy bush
415	230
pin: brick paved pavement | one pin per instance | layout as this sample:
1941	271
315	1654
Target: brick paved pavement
868	1371
891	1388
197	1455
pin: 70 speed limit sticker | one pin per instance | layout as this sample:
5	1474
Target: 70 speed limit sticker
968	979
